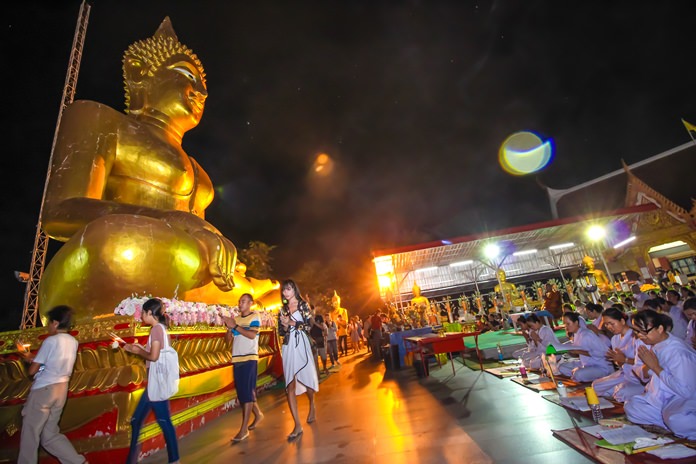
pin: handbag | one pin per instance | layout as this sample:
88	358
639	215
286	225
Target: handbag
163	375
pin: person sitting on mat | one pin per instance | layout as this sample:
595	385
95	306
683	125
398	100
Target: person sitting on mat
590	348
541	336
669	400
621	384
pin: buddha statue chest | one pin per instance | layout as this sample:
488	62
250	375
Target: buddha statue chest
151	171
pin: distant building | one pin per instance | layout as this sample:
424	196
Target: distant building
665	237
650	216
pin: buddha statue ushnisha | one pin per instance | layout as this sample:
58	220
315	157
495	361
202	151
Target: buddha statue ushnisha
129	202
337	310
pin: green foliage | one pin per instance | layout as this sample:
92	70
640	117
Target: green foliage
257	257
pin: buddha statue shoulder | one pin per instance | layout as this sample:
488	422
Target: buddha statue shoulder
129	202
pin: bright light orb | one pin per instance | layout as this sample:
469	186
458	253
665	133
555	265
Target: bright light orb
524	153
323	164
596	232
491	251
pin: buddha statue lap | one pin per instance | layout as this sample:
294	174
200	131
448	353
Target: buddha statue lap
129	202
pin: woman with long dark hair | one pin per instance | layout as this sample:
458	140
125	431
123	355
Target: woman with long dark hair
153	315
299	368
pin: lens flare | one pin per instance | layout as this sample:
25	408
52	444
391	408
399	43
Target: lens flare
525	153
323	164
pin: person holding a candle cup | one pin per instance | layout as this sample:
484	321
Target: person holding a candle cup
590	348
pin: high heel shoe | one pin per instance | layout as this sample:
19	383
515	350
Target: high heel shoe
294	435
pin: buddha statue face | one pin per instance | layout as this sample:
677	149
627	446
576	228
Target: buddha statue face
501	276
336	300
588	262
165	80
416	291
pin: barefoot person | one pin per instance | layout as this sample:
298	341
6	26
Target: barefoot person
295	320
245	359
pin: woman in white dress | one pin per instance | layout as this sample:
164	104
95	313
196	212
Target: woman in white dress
299	368
623	383
590	348
541	336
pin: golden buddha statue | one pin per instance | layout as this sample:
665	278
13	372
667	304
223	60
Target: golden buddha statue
337	309
418	301
508	291
600	277
128	200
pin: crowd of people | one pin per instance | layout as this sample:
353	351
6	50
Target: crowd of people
639	351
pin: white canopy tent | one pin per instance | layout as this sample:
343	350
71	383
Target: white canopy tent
524	253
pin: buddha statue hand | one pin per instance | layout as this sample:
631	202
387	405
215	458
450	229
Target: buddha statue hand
221	253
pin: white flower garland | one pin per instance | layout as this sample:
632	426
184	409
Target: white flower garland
187	313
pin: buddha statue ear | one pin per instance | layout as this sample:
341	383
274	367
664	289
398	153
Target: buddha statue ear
135	72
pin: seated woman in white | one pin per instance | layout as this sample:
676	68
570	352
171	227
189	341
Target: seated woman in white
621	384
590	348
669	400
594	314
521	323
541	337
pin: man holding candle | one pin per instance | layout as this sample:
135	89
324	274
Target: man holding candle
51	368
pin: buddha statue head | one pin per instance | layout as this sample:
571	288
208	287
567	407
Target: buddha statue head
335	300
416	290
165	80
501	275
588	262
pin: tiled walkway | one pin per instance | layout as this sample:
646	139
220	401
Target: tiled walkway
367	415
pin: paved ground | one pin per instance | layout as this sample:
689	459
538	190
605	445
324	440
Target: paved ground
367	415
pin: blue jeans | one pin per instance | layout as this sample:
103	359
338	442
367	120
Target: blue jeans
161	409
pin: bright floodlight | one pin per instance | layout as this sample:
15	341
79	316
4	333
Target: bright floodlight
427	269
624	242
560	246
491	250
461	263
596	232
525	252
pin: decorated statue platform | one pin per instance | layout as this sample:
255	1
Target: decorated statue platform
107	381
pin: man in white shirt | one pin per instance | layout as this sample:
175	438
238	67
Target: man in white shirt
51	367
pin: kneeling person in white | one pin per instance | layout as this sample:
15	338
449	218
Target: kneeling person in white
590	348
670	365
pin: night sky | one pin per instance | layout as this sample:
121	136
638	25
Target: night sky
410	99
